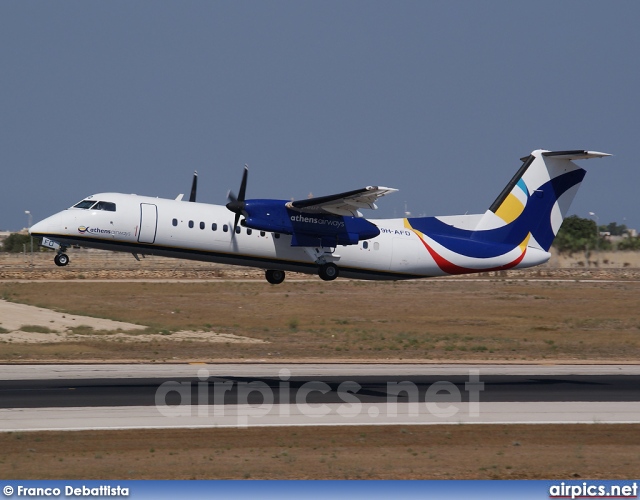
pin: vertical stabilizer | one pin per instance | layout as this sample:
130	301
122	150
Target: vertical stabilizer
534	203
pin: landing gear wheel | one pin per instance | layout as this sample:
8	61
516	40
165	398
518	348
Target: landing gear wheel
61	259
328	272
274	276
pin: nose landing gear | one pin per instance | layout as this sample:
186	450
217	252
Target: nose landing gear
61	259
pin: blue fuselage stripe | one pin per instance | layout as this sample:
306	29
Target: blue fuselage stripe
535	219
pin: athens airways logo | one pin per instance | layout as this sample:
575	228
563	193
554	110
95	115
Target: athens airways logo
93	230
97	230
317	220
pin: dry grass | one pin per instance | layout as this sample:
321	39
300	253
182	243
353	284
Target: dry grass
343	320
412	452
419	320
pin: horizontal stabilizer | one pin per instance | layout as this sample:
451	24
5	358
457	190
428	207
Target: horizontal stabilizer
575	155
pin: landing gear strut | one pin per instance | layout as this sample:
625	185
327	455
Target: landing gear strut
274	276
328	271
61	259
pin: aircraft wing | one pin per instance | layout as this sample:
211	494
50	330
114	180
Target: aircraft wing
342	203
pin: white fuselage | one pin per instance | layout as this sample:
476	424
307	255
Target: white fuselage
198	231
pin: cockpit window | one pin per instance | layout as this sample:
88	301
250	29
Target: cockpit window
93	205
85	204
105	205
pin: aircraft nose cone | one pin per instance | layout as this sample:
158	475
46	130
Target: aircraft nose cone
56	224
37	228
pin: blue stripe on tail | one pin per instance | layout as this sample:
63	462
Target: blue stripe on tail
535	219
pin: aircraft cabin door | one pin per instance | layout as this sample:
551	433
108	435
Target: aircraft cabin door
148	223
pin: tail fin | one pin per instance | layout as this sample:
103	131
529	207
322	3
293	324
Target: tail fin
534	203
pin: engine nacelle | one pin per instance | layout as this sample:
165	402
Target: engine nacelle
307	229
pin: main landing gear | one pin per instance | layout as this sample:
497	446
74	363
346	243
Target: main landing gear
61	259
274	276
328	271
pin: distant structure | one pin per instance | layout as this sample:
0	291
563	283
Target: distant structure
4	235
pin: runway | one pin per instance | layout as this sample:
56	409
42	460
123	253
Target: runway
75	397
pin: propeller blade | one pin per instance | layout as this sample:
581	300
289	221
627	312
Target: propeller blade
237	205
243	184
194	187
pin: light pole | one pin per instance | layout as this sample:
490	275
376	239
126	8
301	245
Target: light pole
30	221
592	214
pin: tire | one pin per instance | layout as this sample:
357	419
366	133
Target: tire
61	259
274	276
328	272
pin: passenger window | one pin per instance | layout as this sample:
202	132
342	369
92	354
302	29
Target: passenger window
376	246
238	230
365	245
191	224
276	235
174	222
225	228
261	233
249	231
214	227
202	225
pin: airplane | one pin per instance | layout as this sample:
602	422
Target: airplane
328	235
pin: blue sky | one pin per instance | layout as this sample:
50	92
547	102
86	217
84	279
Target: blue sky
437	99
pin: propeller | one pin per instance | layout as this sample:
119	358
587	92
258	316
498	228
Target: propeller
194	187
237	205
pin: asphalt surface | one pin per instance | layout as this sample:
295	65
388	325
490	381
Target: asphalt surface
122	392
